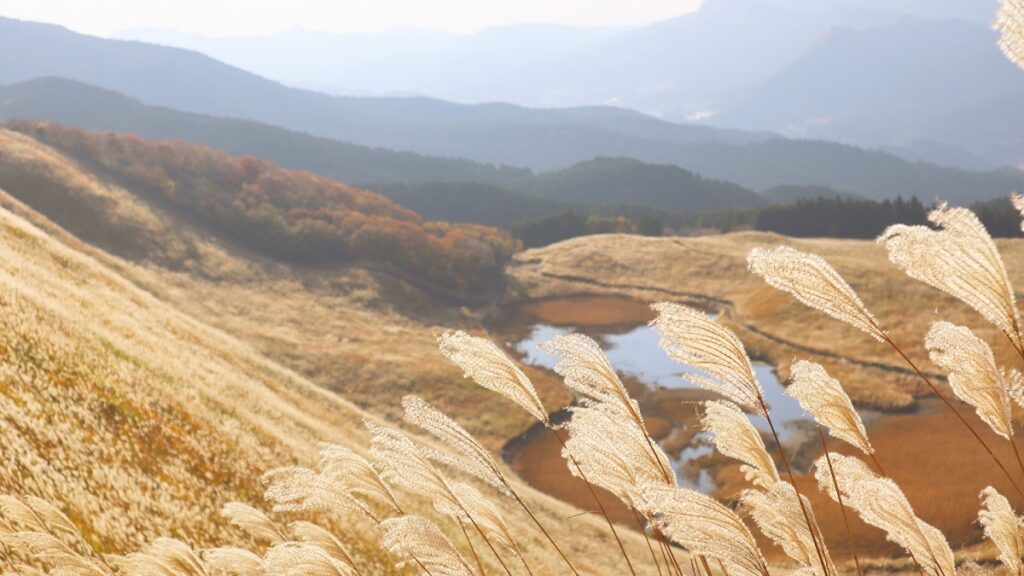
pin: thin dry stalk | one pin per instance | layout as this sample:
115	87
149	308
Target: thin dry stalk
475	459
839	498
704	526
405	463
487	365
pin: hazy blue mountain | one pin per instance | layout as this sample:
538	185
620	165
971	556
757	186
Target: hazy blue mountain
192	82
76	104
302	57
687	66
757	165
897	85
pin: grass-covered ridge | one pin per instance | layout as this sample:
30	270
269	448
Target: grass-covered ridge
294	216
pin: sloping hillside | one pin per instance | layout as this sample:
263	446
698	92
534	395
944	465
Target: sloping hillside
139	420
293	216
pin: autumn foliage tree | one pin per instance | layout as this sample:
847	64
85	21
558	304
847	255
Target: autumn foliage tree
289	215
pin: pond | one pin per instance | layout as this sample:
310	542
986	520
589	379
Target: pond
634	352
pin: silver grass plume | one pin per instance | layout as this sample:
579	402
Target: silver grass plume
300	559
691	337
586	370
780	518
236	561
881	503
312	534
960	259
164	557
848	471
52	552
973	374
484	513
416	539
703	526
488	366
613	453
1010	24
737	438
824	398
297	489
253	522
402	462
21	515
1018	203
814	282
360	478
1002	527
471	457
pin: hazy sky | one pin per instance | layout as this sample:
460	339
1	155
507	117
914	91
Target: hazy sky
247	17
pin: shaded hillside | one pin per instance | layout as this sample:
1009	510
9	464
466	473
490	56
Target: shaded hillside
294	216
73	103
627	181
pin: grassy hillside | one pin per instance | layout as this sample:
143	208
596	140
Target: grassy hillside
139	419
294	216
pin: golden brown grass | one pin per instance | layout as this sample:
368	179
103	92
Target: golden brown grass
139	421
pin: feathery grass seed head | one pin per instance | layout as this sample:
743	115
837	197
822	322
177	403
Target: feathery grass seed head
691	337
416	539
814	282
960	259
824	398
482	360
737	438
1002	527
703	526
1010	24
973	374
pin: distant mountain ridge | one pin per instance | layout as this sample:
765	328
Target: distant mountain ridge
757	166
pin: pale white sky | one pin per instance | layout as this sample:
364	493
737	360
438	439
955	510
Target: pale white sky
251	17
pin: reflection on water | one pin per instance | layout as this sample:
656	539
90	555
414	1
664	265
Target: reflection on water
636	353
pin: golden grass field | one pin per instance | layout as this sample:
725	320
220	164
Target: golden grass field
142	389
140	398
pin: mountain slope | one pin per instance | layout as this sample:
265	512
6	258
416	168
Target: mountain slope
758	166
894	85
627	181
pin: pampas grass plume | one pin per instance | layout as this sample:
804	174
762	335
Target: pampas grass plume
814	282
736	437
691	337
824	398
416	539
973	374
488	366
